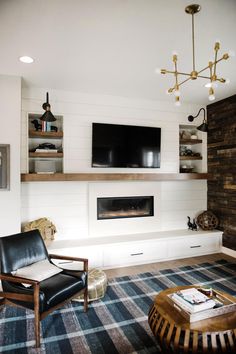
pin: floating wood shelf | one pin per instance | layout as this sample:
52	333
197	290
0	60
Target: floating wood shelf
190	141
34	177
190	157
45	154
43	135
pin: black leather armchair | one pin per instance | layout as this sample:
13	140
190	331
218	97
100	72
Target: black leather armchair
24	249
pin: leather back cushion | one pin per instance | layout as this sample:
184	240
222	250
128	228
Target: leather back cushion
21	250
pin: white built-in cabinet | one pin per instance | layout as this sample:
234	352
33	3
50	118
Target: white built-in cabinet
125	250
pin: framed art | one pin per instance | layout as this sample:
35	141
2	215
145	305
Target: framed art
4	167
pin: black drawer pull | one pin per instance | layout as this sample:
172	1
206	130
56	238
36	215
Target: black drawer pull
136	254
195	246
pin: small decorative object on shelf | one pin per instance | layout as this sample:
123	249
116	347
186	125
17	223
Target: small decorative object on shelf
207	221
53	128
194	227
37	125
186	169
185	135
191	225
193	136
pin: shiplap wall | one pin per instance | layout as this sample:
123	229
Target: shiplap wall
66	203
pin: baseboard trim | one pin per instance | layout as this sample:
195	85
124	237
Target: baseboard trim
228	251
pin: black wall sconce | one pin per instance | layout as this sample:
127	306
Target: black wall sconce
204	126
47	116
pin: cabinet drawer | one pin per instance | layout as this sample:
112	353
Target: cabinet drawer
193	246
118	255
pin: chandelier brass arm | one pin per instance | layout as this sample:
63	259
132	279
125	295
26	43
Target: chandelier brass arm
194	74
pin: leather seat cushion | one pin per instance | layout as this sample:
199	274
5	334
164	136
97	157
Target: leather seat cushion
53	290
59	288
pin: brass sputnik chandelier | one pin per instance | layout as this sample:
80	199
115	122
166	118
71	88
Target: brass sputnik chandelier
213	77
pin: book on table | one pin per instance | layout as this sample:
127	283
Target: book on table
222	305
192	300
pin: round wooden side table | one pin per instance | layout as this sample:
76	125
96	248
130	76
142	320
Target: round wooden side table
176	335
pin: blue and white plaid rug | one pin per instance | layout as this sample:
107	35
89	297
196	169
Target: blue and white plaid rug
115	324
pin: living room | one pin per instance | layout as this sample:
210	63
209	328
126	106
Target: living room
105	73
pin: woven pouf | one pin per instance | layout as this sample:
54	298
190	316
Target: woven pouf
97	285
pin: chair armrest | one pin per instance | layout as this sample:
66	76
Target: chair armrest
69	258
20	296
16	279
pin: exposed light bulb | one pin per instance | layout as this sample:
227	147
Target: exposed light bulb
211	97
227	81
158	71
177	101
177	93
212	84
174	52
26	59
217	45
231	53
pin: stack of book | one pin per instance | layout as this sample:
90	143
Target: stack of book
192	300
46	150
46	126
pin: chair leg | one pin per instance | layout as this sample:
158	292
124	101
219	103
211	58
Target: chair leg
37	329
86	300
36	316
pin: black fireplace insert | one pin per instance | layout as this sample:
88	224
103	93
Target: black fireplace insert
125	207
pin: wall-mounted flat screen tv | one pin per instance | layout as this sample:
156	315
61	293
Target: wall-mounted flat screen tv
115	145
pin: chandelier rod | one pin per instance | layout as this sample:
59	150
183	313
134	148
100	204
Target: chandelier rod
193	41
224	57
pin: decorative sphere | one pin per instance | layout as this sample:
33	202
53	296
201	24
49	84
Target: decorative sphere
207	221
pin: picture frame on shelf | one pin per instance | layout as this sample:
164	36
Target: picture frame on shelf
4	167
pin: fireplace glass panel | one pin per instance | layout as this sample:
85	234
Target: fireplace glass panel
124	207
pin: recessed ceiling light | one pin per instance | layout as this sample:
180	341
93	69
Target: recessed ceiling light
26	59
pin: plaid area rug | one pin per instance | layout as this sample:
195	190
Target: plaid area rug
115	324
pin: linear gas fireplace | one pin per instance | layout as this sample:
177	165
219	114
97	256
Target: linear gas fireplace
124	207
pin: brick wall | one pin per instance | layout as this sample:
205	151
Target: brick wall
222	165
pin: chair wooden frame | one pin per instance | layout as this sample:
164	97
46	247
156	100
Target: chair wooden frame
7	296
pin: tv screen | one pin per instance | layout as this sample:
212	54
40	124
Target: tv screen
131	146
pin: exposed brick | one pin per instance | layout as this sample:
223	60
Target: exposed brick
221	118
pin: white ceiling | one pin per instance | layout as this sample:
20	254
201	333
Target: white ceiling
113	46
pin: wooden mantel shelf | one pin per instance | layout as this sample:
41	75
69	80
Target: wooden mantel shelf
34	177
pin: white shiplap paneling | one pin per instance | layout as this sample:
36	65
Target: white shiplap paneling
67	203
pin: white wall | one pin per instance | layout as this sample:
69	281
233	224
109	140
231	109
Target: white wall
10	119
67	203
